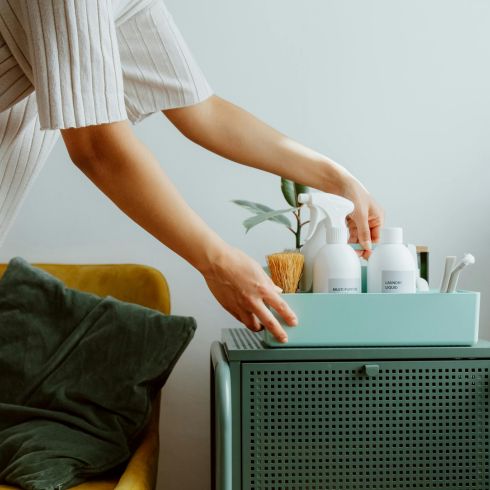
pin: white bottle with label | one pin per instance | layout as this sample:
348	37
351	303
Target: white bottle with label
391	268
327	211
314	241
337	268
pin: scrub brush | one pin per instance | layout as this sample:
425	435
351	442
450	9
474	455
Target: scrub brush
286	269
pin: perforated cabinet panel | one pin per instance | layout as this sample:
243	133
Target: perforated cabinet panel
345	426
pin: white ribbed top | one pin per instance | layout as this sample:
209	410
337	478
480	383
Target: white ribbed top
76	53
74	63
124	9
67	45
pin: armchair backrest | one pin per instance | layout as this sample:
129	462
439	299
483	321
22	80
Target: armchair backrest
134	283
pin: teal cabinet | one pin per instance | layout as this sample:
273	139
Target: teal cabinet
349	418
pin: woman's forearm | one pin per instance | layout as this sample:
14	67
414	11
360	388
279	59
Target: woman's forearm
237	135
234	133
128	173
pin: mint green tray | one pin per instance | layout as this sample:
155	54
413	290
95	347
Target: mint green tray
422	319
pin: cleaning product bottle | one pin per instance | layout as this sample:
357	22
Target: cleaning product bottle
391	268
314	240
334	266
337	268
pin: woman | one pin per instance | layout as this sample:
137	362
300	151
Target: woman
88	68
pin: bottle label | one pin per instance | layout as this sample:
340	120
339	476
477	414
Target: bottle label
398	282
344	286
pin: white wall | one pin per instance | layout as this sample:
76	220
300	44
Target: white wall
397	91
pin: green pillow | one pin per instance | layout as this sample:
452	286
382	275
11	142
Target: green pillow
77	377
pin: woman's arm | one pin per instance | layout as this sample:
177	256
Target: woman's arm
234	133
128	173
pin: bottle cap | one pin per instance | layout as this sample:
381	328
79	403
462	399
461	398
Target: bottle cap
336	234
304	198
391	235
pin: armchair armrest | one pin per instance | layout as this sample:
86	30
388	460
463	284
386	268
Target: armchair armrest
141	472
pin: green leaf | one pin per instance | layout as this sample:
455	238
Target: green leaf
254	207
258	209
287	188
290	191
276	216
300	189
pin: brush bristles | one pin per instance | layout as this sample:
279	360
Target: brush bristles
286	269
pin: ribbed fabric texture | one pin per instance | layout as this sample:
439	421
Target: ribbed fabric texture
124	9
13	81
75	60
24	149
158	68
76	53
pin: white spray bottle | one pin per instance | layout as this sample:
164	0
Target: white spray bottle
314	240
331	265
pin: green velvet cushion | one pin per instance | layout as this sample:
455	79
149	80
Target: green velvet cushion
77	375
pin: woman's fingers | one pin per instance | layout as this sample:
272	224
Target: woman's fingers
375	233
277	302
242	287
270	322
353	235
359	232
363	231
270	294
250	321
367	218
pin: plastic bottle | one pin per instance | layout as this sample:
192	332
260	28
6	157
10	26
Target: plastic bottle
333	266
337	268
391	268
313	243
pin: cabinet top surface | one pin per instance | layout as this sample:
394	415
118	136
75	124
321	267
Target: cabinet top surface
242	345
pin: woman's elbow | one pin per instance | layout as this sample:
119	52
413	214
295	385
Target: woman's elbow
91	146
194	121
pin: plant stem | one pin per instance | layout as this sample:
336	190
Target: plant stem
297	215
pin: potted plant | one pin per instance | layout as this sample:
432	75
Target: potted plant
262	213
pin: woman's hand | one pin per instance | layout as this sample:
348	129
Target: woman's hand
245	290
367	218
117	162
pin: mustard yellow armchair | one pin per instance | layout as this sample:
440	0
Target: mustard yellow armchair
136	284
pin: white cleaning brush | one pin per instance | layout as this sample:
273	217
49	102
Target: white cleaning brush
468	259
